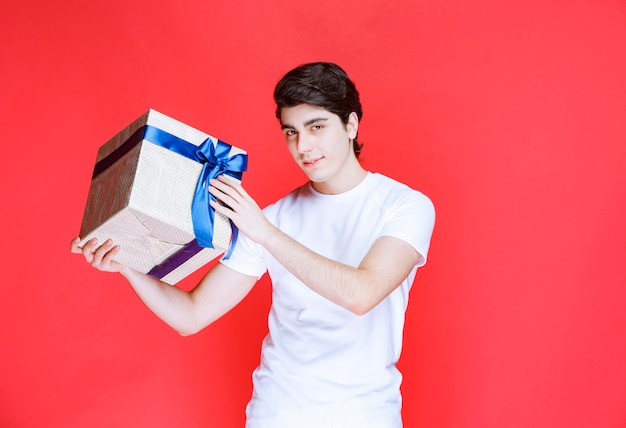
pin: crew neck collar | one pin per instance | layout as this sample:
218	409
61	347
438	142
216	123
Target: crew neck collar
356	189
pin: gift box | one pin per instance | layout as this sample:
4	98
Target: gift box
149	194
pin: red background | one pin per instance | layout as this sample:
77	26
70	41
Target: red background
509	115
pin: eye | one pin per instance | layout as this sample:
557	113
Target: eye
290	132
316	127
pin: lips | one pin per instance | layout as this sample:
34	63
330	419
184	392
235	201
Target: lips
311	162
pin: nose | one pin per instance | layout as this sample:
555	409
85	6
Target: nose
304	143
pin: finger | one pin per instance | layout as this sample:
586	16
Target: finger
101	252
218	205
223	186
74	248
89	249
223	205
223	197
228	179
233	183
90	245
233	186
109	255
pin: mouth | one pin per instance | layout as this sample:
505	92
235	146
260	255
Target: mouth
308	163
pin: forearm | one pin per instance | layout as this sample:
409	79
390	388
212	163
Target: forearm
187	312
347	286
171	304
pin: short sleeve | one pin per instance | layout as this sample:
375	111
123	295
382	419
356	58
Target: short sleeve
412	219
247	257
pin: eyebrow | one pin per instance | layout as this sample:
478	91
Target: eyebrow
306	123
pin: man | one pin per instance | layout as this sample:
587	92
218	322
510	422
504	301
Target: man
342	252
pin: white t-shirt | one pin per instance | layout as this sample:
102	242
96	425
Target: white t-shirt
322	365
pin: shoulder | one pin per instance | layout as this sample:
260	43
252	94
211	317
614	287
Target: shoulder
393	193
287	202
409	214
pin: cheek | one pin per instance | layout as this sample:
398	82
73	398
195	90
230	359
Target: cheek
342	146
291	148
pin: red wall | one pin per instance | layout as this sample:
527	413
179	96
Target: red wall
509	115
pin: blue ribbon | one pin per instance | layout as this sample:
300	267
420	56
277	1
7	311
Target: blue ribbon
215	161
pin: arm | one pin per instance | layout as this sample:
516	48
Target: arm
359	289
383	268
186	312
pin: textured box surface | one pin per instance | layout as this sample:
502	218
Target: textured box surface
141	196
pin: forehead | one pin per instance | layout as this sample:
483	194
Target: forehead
302	113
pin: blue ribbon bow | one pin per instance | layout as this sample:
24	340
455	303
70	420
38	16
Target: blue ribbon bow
215	161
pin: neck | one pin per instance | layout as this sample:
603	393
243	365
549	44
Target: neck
347	179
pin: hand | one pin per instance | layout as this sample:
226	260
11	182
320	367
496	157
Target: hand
99	257
238	206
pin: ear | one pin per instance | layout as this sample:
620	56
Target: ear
353	125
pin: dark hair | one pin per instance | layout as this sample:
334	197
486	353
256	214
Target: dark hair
321	84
